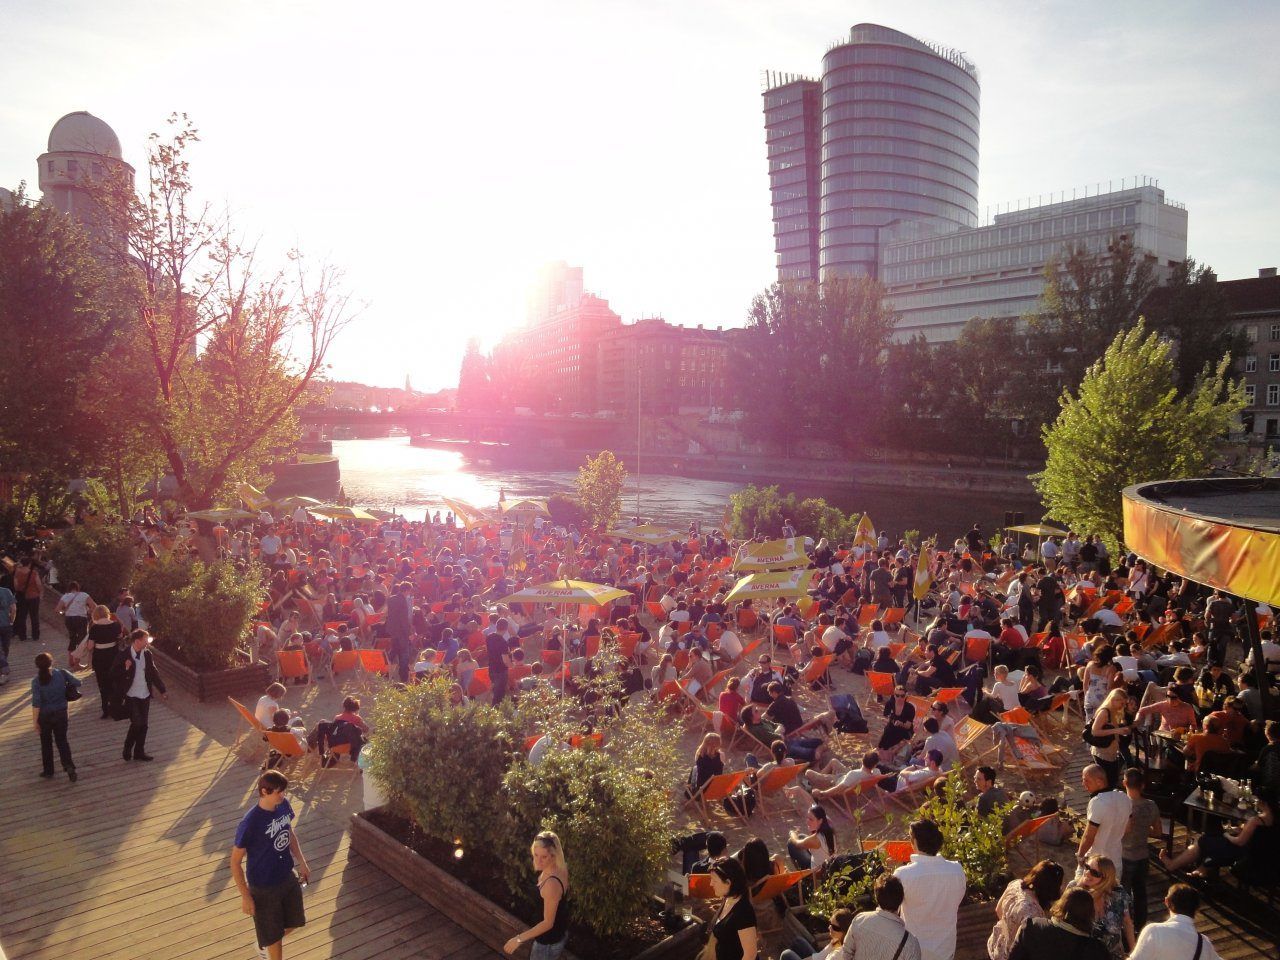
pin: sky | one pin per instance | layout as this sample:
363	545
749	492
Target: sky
440	153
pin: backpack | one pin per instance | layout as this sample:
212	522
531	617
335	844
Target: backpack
759	687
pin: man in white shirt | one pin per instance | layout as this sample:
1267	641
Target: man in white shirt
1108	618
823	784
1006	691
270	546
74	607
1050	552
1127	663
1108	815
909	776
933	887
1177	937
729	646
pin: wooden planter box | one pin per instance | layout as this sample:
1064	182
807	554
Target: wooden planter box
485	920
211	685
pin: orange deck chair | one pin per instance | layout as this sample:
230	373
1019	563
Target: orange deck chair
719	787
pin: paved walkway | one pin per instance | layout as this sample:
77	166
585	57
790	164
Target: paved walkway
133	860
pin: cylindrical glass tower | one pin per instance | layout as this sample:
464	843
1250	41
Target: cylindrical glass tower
899	142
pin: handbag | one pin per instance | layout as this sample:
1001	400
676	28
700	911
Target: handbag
72	692
83	654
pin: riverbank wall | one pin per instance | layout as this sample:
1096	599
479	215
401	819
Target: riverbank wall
906	474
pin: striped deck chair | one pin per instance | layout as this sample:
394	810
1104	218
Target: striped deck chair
717	789
844	797
777	780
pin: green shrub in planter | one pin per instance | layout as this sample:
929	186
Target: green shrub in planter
614	822
443	763
198	612
99	557
976	842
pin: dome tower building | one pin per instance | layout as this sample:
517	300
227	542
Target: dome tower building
82	148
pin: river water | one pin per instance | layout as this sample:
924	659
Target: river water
390	474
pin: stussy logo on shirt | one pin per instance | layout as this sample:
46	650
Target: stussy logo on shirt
279	830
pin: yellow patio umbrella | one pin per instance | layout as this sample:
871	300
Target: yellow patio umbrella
1037	530
568	592
778	583
219	514
773	555
383	514
648	533
333	512
865	535
526	505
469	515
299	501
253	498
767	586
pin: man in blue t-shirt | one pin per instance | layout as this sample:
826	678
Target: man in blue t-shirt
269	889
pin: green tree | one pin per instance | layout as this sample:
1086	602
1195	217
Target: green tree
809	348
761	511
198	612
1192	310
99	557
1089	297
60	315
600	483
1127	423
443	762
230	346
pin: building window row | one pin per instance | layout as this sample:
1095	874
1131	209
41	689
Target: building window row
914	186
863	130
913	60
833	119
871	74
839	93
987	237
896	203
915	166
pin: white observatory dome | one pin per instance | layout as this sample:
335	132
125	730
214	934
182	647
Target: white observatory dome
82	132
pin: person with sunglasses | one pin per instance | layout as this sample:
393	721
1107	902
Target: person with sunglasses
263	857
900	721
837	928
551	934
1112	905
734	929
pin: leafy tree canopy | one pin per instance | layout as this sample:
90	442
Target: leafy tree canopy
1128	423
600	483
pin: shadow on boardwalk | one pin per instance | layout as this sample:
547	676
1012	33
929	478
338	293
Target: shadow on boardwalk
133	860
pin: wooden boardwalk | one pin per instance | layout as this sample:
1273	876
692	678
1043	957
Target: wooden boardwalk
1241	928
133	860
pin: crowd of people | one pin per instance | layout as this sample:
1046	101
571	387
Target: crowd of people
1000	640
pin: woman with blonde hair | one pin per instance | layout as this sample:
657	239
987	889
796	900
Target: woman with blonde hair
1112	905
1110	722
106	635
708	762
551	934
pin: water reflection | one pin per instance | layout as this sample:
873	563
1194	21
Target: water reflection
390	474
